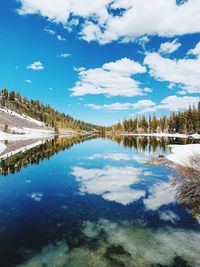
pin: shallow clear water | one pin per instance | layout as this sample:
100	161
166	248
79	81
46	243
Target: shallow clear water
95	203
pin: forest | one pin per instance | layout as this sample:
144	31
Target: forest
184	122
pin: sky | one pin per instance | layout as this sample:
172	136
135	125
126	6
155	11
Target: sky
105	60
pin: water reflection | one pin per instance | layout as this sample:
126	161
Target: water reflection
112	183
37	154
150	144
106	243
159	194
97	204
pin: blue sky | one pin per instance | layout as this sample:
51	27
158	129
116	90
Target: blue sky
104	60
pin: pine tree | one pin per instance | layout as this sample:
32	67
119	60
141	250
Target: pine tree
12	96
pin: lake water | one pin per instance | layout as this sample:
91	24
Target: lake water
97	203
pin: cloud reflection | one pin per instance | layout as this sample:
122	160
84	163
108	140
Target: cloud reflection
161	194
113	183
140	158
123	244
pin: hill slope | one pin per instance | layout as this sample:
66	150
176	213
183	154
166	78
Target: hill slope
18	111
14	119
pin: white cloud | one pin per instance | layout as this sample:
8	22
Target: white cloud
123	106
60	38
171	85
182	92
64	55
113	183
169	47
195	51
146	110
160	194
112	79
171	103
143	41
79	68
37	65
50	31
60	11
139	18
28	81
184	72
148	90
176	103
125	66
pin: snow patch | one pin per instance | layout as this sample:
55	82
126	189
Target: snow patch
2	147
22	116
26	133
183	154
196	136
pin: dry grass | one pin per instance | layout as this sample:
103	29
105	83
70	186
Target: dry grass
188	187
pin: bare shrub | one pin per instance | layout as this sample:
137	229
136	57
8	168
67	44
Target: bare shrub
188	186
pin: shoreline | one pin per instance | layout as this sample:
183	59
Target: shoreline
22	142
186	156
176	135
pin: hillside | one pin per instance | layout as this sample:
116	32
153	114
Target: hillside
14	119
25	124
18	111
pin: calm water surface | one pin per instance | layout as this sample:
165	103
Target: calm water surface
95	203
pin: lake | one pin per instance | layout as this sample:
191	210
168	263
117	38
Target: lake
96	202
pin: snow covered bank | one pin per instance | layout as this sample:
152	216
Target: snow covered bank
22	116
195	136
30	133
26	133
183	154
2	147
176	135
26	139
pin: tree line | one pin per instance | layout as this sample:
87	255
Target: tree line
185	122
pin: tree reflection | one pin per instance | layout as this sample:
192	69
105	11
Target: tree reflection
147	143
37	154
